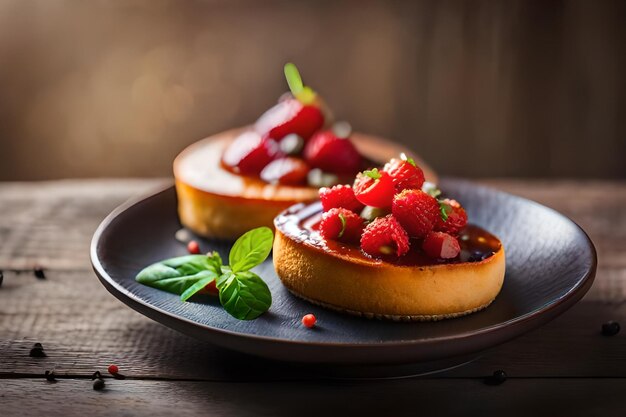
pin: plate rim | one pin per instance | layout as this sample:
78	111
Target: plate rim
546	312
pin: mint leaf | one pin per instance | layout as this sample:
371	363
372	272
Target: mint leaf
245	296
293	79
250	249
373	174
176	275
342	218
200	284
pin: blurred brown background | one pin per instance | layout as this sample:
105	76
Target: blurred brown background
479	88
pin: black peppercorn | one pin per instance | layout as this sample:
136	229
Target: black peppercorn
497	378
96	375
37	351
50	376
98	384
610	328
39	272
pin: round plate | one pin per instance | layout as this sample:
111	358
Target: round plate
550	265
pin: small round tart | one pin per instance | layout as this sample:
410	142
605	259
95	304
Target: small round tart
214	202
410	288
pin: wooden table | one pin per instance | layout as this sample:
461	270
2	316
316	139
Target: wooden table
565	368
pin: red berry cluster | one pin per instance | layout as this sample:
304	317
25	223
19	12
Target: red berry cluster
405	215
288	141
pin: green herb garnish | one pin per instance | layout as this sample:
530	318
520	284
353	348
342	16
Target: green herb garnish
243	294
373	173
303	93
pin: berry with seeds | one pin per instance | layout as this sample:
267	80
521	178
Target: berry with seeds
330	153
339	196
416	211
374	188
453	217
440	245
341	224
385	236
406	175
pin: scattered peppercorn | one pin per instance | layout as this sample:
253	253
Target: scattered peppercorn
39	272
96	375
610	328
37	351
193	247
497	378
50	376
1	277
309	320
98	384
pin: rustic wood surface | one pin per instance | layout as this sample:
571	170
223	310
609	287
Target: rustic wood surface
565	364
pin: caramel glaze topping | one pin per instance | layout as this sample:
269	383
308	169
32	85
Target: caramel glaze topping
300	222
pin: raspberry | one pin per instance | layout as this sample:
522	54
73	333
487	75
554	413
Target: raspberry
440	245
405	174
340	196
416	211
384	236
341	224
330	153
374	188
457	218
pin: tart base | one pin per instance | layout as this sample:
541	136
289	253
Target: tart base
376	289
391	317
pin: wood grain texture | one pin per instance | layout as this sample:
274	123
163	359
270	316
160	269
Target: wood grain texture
521	397
83	329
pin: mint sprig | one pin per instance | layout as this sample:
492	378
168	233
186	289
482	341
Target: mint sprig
243	294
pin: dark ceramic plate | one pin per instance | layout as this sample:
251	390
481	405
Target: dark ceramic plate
550	265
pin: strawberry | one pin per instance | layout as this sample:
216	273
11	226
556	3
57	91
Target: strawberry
290	116
330	153
384	236
374	188
250	153
287	171
416	211
405	174
440	245
341	224
340	196
455	217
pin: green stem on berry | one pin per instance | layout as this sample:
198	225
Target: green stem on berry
302	93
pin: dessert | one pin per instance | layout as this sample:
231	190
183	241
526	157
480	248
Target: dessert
391	247
242	178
